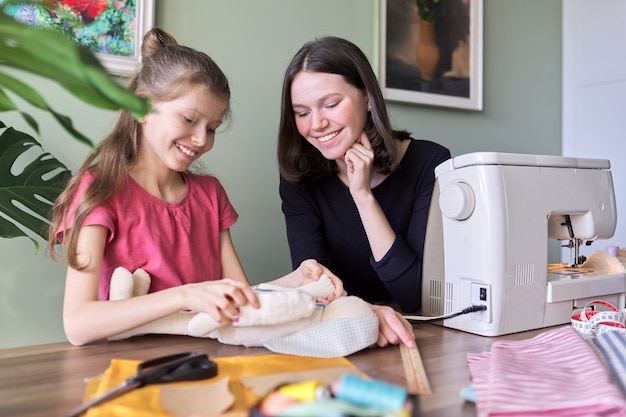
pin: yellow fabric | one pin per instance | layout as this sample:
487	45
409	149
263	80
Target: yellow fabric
145	401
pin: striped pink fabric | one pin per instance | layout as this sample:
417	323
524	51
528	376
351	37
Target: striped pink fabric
556	373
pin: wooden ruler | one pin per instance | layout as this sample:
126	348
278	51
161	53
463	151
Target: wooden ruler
414	372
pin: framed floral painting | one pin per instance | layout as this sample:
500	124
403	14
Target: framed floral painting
111	29
431	52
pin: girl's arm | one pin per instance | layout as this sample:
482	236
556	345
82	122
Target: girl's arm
231	265
86	319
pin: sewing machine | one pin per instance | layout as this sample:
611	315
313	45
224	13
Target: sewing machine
487	241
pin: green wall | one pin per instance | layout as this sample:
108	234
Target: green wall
253	42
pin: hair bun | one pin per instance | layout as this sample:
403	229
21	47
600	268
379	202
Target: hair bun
154	40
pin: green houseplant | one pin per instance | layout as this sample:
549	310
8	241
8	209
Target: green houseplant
26	197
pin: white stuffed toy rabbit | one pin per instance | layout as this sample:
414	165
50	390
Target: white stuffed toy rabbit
288	320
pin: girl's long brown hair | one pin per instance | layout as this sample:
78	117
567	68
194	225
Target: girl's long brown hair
167	71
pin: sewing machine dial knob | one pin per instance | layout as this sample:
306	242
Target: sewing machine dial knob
457	201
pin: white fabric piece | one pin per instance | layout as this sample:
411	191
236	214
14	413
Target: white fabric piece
276	307
345	326
605	263
329	339
323	287
348	325
257	336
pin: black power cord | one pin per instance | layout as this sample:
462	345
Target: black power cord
466	310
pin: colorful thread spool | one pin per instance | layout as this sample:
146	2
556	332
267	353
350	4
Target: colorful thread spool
367	393
305	391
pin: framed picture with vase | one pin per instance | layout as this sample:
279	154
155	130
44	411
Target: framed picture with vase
431	52
111	29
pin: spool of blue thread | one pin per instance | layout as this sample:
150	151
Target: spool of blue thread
368	393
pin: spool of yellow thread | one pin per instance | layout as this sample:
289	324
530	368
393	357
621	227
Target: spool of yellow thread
306	391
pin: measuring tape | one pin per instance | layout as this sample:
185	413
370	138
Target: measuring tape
592	323
414	372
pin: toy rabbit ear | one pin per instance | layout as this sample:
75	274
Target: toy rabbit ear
121	287
141	281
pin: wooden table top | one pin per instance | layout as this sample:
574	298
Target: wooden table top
48	380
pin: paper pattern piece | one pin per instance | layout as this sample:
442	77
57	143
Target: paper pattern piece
199	399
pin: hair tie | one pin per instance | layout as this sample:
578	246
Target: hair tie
160	38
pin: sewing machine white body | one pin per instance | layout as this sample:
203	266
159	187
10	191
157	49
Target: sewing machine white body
487	240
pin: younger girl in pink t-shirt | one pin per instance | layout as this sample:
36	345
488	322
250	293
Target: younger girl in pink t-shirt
133	203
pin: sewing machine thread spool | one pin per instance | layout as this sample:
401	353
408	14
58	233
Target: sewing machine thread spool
367	393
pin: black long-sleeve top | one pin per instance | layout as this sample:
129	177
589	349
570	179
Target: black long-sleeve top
323	224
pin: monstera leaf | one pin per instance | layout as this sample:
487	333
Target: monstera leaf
27	193
28	187
29	94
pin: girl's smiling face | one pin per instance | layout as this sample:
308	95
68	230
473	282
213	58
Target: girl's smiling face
329	112
180	131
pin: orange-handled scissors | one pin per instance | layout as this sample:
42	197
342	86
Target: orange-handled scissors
189	366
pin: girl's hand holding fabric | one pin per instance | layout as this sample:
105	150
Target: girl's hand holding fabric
220	299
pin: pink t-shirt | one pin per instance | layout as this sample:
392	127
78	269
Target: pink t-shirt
175	243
